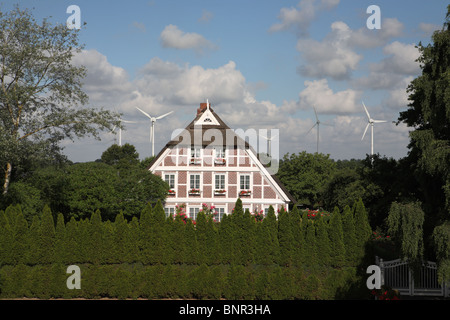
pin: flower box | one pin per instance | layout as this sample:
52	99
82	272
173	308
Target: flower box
171	192
195	161
194	192
245	192
220	192
220	161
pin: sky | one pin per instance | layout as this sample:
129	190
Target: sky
262	65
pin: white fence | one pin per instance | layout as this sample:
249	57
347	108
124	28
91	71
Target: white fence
398	275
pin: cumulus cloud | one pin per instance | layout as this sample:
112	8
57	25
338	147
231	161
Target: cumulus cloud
302	16
318	94
173	37
368	39
187	85
102	77
331	57
393	73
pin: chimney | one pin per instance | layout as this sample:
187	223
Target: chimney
202	108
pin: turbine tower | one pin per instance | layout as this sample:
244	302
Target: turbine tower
152	127
317	124
269	140
370	123
120	130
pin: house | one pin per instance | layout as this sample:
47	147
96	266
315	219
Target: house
208	163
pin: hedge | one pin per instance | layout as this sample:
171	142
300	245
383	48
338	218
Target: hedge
240	257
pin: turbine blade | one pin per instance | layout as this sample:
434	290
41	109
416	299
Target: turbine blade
263	137
379	121
128	121
367	127
312	128
145	113
164	115
317	118
367	112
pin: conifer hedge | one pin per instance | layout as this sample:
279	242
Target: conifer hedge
292	255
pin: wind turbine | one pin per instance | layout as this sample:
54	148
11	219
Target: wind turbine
370	123
152	127
318	125
120	130
269	140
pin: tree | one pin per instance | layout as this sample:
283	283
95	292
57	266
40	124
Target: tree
405	223
306	176
428	114
41	96
362	229
336	235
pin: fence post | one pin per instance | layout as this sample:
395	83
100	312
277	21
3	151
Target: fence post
411	281
381	264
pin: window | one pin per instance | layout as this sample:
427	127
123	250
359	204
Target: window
220	182
169	211
195	181
170	179
220	212
193	212
195	152
220	152
245	182
266	211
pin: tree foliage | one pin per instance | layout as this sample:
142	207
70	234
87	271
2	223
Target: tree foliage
306	176
41	96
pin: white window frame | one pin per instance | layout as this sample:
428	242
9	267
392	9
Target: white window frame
218	216
217	175
169	210
249	181
199	181
174	180
220	152
193	215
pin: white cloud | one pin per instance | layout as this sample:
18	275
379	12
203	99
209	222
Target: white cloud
318	94
173	37
429	28
301	17
367	39
331	57
398	65
102	78
206	16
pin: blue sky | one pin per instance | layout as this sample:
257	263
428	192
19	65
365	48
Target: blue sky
261	64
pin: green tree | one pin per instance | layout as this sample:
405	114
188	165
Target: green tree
336	234
306	176
405	222
47	237
428	114
41	99
362	228
285	238
348	229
